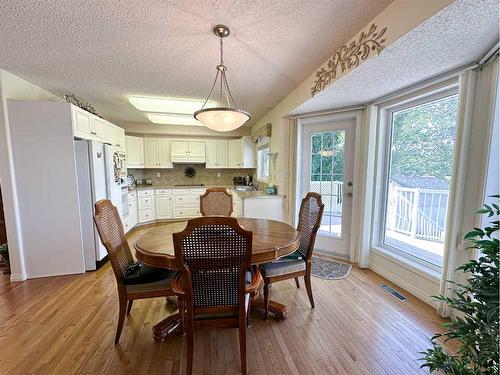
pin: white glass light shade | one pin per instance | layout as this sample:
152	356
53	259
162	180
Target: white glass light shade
222	119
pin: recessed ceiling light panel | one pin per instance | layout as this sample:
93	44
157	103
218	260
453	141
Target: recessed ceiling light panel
173	119
164	105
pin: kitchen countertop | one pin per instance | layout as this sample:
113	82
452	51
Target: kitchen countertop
241	194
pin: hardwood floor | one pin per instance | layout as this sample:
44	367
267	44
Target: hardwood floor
66	325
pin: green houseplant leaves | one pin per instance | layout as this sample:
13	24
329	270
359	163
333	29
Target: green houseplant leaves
476	326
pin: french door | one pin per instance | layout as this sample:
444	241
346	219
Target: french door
327	159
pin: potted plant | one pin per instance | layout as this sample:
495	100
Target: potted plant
476	325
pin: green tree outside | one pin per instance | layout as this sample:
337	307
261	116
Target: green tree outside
422	143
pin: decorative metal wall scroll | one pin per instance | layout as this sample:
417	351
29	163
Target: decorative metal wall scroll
349	56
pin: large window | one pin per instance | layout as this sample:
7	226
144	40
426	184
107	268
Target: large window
263	163
420	142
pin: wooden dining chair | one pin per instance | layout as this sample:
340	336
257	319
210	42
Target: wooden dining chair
216	201
298	263
134	280
214	255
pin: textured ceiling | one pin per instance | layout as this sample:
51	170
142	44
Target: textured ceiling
105	50
458	35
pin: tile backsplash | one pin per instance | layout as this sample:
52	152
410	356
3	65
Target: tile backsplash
176	175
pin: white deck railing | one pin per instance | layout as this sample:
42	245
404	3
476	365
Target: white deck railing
420	213
332	195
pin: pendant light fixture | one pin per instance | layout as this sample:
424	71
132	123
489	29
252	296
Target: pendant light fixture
226	116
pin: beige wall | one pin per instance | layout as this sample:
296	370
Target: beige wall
12	87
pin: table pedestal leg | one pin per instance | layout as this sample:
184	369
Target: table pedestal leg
279	310
162	329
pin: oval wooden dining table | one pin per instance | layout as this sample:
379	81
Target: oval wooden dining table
271	240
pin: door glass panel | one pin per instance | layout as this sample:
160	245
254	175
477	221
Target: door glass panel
327	178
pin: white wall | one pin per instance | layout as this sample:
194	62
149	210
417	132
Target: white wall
12	87
45	169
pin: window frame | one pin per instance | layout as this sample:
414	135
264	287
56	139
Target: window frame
260	178
383	170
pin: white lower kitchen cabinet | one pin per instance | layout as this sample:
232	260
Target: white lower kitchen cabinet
133	217
163	204
186	202
126	224
146	205
263	207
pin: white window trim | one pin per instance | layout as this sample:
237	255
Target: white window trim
382	170
260	148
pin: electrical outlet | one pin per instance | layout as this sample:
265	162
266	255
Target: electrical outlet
218	174
158	174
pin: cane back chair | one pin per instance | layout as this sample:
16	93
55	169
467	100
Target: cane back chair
216	201
141	282
213	255
300	262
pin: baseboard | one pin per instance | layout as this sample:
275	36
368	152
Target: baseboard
403	284
331	254
100	263
18	277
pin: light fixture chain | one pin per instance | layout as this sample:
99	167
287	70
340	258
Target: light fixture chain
221	52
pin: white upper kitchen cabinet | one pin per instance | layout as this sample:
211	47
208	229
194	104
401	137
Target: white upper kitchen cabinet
88	126
164	153
116	136
241	153
135	152
216	153
100	129
185	150
157	153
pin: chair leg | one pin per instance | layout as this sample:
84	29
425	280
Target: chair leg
190	345
266	300
121	317
243	345
182	316
249	309
297	282
130	302
307	279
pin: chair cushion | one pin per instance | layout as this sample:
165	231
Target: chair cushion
282	267
295	255
147	274
163	285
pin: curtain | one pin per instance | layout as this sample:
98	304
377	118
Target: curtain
452	245
368	136
292	169
476	108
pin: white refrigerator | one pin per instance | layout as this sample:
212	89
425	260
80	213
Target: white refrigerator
98	178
